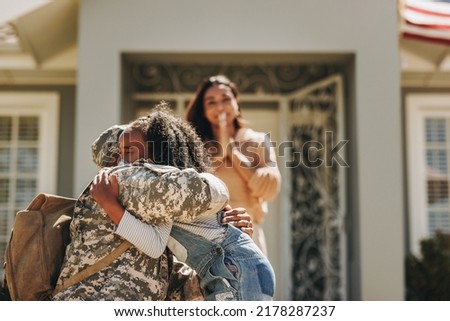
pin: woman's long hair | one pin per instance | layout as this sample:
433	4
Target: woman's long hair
195	113
171	140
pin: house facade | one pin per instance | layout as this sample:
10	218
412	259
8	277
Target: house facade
323	79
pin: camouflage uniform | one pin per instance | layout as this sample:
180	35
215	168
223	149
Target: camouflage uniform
106	147
162	194
150	195
184	283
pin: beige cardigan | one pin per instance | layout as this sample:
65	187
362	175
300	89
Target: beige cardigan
263	186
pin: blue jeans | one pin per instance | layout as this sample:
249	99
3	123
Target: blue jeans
235	269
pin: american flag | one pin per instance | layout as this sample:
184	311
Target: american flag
427	20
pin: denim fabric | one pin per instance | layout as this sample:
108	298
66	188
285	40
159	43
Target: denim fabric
235	269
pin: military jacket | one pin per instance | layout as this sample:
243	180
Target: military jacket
159	193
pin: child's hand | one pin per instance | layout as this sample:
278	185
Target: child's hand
239	218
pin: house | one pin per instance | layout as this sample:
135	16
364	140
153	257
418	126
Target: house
341	94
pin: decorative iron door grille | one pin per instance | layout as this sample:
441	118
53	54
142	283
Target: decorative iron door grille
317	211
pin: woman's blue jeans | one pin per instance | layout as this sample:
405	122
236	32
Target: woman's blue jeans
235	269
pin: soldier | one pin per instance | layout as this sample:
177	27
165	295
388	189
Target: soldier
229	263
134	275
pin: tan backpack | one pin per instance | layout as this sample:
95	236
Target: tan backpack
36	248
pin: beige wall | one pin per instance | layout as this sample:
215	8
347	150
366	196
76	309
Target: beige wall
367	29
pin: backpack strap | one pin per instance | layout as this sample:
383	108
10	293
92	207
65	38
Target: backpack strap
91	270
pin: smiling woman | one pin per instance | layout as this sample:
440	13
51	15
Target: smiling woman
243	158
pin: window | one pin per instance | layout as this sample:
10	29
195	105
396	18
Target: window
428	144
28	153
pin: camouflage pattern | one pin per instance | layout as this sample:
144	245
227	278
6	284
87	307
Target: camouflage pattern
132	276
156	194
184	283
106	146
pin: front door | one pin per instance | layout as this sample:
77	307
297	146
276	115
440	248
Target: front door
317	196
271	97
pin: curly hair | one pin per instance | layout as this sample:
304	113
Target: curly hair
171	140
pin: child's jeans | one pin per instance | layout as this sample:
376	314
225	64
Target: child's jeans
235	269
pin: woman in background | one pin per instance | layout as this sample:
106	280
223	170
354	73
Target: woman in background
243	158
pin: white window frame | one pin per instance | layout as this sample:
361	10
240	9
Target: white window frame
418	108
46	107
